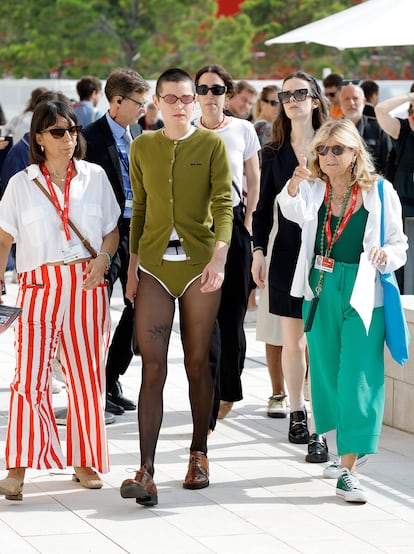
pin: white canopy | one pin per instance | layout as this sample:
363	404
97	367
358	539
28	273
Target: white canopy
372	23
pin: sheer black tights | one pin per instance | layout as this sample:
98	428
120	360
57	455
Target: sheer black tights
154	319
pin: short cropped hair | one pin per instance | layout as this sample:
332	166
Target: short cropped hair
332	80
370	88
173	75
87	85
240	86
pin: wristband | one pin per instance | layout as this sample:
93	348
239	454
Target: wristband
409	96
257	248
109	258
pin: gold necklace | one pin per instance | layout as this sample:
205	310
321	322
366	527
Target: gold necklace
61	179
338	199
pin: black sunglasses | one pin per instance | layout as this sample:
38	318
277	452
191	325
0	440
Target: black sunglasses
351	82
217	90
59	132
172	98
331	94
337	149
299	95
271	102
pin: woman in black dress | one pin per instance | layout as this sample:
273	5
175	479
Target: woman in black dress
303	111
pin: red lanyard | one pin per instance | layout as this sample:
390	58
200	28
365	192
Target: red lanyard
331	240
63	213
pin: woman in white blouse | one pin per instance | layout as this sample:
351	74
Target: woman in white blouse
63	298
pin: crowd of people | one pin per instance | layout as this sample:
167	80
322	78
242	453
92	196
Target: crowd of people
273	193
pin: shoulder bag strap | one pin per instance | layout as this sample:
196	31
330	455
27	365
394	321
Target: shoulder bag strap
380	187
83	240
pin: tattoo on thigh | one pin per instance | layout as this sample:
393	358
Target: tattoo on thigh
159	332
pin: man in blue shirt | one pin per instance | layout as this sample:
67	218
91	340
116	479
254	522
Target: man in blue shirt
108	140
89	90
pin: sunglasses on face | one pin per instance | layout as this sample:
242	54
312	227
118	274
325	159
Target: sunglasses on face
172	98
351	82
331	94
217	90
271	102
299	95
337	149
59	132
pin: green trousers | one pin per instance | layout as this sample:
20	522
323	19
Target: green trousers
346	365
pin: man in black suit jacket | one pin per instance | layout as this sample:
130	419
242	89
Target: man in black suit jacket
108	140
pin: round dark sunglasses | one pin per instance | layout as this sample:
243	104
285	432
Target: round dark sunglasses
337	149
59	132
271	102
299	95
217	90
172	98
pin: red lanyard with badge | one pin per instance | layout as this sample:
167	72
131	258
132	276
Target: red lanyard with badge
75	251
323	262
63	212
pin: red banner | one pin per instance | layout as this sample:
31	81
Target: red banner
228	7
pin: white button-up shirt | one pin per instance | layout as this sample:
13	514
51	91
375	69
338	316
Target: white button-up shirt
32	220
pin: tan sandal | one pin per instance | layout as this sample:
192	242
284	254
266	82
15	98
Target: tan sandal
87	477
12	488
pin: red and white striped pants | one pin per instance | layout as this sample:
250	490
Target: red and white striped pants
56	309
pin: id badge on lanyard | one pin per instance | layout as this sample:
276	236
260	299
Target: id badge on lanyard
72	253
323	263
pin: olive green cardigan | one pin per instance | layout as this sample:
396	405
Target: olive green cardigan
183	184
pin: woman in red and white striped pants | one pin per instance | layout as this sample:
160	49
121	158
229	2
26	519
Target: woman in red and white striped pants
63	298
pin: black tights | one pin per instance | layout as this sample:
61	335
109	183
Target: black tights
154	318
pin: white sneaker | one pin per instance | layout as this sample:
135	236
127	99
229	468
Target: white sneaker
56	386
277	406
334	470
349	489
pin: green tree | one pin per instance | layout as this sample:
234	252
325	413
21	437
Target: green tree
41	36
275	17
76	37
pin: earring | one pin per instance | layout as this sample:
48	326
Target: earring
42	148
353	164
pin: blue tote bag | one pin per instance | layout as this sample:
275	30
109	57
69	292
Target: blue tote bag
397	335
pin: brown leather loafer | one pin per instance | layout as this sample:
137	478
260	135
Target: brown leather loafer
197	474
142	488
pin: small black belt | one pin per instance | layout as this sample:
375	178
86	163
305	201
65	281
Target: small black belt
174	244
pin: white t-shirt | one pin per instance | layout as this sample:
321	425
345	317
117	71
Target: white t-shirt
32	220
242	143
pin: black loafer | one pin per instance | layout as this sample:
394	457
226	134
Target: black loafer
113	408
298	427
317	449
116	396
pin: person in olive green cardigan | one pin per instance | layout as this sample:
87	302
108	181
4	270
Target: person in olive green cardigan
181	183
